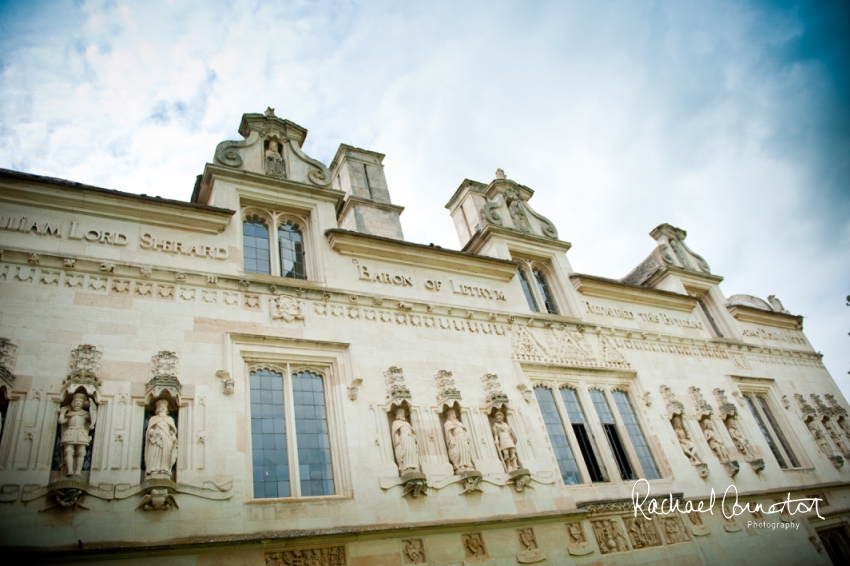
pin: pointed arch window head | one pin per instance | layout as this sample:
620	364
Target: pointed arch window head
255	244
545	292
291	246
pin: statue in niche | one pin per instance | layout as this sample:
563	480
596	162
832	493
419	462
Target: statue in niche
405	443
819	437
713	442
695	518
76	419
517	211
160	443
457	441
505	442
576	534
684	440
835	435
741	443
274	161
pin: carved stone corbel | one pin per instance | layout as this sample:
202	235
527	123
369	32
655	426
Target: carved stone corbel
354	389
227	381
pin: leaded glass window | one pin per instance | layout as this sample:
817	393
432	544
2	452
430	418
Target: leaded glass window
526	288
291	247
287	464
633	429
609	425
545	292
557	436
770	428
255	246
583	436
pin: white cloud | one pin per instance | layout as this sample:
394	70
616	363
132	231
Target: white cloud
619	115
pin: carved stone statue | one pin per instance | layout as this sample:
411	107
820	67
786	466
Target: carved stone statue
160	443
77	419
405	444
836	436
505	442
274	161
819	437
741	443
684	440
457	441
712	440
515	208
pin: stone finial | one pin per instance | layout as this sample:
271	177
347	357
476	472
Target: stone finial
269	113
494	396
448	393
819	404
164	382
776	304
500	174
396	389
805	408
674	406
703	409
84	371
725	408
834	406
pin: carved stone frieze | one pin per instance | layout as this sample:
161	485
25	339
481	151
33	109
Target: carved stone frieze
577	543
529	551
698	527
413	551
330	556
474	548
609	536
494	396
282	307
642	532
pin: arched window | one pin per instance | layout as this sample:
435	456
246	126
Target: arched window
290	439
545	293
255	244
557	436
526	288
291	246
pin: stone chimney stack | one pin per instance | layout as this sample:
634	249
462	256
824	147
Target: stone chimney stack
367	207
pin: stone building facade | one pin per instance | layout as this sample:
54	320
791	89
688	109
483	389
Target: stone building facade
269	374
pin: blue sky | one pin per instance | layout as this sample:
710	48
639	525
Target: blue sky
727	119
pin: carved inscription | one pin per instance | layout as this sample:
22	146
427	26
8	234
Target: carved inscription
149	242
42	227
774	335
